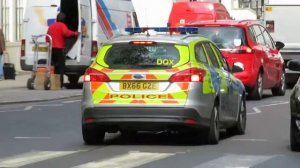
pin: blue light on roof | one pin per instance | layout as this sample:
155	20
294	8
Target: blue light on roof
162	29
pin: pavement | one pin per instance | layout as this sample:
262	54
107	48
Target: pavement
16	91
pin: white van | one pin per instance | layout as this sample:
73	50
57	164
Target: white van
281	18
97	20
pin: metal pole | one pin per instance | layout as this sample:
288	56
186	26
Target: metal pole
257	16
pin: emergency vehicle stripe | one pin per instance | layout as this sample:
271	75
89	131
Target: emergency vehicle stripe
151	77
106	70
127	76
105	101
172	70
104	19
138	102
95	86
170	101
135	101
183	86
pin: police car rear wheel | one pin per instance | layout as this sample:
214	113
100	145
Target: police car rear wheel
92	136
214	132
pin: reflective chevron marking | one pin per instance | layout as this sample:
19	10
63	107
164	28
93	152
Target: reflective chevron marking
132	159
235	161
32	157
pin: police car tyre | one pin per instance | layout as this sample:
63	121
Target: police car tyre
257	92
240	126
214	132
47	84
92	136
30	83
280	90
295	146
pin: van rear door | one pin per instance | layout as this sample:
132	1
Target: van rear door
81	50
85	28
36	22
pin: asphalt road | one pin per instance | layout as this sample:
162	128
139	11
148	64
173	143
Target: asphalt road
48	134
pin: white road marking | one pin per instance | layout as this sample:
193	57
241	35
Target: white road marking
32	157
71	101
252	140
257	110
49	105
32	137
130	160
28	108
234	161
274	104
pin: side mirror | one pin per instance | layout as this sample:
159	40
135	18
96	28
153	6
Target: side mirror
279	45
294	65
237	67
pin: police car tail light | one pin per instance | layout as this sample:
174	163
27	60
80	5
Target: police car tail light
188	75
93	75
242	50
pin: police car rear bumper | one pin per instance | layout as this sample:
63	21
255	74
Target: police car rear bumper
111	119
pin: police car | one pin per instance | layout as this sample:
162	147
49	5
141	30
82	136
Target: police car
168	81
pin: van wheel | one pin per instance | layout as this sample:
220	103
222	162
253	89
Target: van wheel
240	126
30	83
257	92
92	136
73	79
214	132
47	84
280	90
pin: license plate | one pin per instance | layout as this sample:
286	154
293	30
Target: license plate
139	86
40	49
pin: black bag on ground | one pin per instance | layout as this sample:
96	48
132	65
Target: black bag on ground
9	71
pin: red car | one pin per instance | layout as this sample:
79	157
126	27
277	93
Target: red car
250	44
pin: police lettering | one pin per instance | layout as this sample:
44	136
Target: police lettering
165	62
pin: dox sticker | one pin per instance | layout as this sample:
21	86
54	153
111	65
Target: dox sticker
165	62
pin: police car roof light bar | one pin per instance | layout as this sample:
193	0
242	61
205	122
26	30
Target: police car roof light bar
162	29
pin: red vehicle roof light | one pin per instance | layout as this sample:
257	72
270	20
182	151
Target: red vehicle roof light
188	75
142	42
93	75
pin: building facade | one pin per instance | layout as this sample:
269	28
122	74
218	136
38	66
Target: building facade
11	18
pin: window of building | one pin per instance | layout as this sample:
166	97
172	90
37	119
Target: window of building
5	17
19	18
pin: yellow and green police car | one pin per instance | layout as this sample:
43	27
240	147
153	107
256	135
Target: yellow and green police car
167	81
